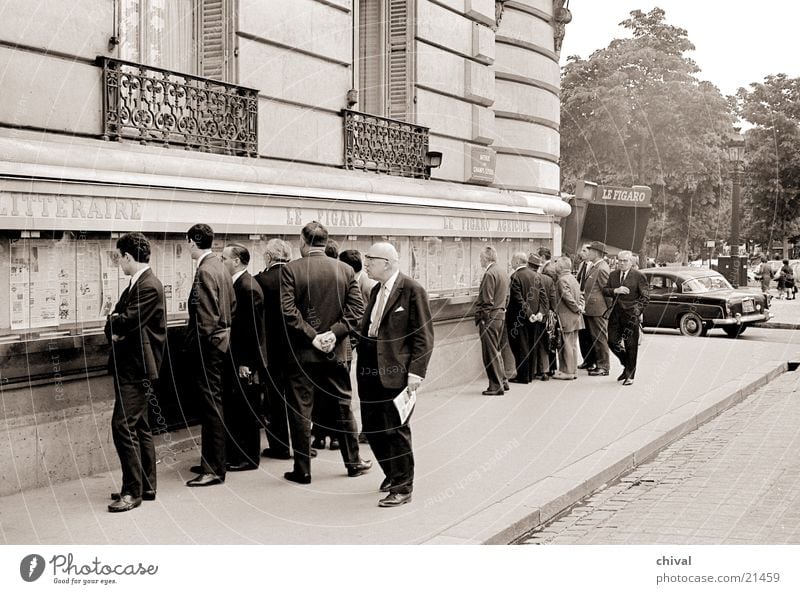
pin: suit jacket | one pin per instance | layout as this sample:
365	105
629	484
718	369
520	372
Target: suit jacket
527	296
142	324
596	302
211	305
550	290
405	334
492	295
319	294
248	343
634	302
276	332
570	303
581	274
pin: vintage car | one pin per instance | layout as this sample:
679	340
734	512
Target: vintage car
695	300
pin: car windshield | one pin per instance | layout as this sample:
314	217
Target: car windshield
704	284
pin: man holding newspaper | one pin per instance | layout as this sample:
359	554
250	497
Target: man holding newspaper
395	344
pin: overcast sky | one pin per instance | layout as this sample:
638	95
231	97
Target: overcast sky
737	42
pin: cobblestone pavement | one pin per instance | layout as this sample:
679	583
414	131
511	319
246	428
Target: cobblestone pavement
735	480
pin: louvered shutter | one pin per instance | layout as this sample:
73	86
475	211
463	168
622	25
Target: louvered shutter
370	57
215	40
399	54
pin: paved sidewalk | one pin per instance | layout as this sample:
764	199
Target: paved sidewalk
733	481
488	468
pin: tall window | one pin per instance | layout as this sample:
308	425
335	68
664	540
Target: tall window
385	58
187	36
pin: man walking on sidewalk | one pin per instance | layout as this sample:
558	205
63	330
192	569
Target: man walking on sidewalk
395	345
628	288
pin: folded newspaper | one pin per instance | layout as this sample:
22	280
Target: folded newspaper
404	403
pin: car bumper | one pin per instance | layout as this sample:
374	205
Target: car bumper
739	320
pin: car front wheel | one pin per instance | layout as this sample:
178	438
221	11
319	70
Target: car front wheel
692	325
734	331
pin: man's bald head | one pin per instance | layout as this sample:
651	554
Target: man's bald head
381	261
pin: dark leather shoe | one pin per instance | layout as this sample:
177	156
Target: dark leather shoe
394	499
312	453
205	480
385	485
334	444
125	503
506	386
598	371
621	377
197	469
545	377
362	438
241	466
297	477
146	496
492	392
584	365
278	455
361	467
627	382
319	442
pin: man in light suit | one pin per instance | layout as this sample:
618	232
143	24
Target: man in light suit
527	300
137	333
211	307
246	364
630	293
395	345
569	311
490	311
322	307
597	304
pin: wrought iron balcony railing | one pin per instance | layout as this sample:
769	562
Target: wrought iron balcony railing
154	105
385	145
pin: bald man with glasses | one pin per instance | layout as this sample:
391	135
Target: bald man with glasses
395	345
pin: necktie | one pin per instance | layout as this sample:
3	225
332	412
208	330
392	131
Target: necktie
377	313
622	279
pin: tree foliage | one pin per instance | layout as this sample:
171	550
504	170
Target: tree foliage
772	176
636	113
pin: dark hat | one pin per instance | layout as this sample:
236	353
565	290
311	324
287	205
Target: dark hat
534	260
599	246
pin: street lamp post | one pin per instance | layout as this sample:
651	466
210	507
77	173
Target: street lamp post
736	155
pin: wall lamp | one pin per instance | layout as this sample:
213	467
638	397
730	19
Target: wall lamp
433	159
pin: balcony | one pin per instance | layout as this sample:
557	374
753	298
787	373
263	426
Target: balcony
384	145
157	106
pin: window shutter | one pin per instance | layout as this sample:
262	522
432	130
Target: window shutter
399	52
215	40
370	57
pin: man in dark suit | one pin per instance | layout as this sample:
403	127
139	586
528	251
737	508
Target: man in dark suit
541	358
276	387
490	309
526	297
321	307
211	307
395	345
630	293
137	332
584	336
246	364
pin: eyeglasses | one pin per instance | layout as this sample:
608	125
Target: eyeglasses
370	258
